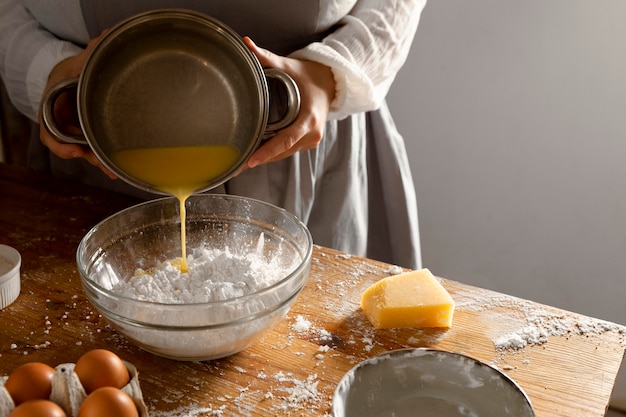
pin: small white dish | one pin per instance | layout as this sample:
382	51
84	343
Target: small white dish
428	383
10	263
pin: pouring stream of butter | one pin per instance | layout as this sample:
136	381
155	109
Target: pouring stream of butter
179	171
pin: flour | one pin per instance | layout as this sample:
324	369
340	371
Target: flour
539	325
190	411
394	270
528	323
225	308
528	335
543	325
301	392
214	275
325	336
301	324
292	396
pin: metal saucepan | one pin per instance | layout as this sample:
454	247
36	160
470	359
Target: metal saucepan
173	77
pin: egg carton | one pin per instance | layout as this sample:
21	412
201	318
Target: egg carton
69	394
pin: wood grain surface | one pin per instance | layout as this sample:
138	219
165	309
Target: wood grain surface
569	371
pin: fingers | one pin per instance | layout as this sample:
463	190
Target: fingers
273	149
295	138
72	151
62	150
93	160
265	57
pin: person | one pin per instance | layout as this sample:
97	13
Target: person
341	167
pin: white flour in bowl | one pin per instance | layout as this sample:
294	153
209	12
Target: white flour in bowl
215	309
214	275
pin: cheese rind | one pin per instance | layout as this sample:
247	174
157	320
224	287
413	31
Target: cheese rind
412	299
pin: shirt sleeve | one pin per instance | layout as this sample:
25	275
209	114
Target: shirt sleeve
366	52
27	55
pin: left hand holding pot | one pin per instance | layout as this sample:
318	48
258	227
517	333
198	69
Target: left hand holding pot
66	113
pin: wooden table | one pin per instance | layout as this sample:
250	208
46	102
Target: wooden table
569	371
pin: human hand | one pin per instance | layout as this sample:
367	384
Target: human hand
317	90
65	112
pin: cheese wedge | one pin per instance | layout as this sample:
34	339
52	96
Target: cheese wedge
411	299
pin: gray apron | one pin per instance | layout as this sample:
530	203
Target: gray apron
354	192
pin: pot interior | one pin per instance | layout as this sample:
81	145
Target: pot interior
172	78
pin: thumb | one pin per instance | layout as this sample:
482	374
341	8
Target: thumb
265	57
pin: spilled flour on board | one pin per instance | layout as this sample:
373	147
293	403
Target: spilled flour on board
300	392
190	411
289	394
542	325
532	325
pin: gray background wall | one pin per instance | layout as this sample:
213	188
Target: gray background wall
514	114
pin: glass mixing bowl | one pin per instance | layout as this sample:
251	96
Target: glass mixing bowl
144	236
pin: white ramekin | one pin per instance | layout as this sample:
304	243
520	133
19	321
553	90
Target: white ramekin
10	263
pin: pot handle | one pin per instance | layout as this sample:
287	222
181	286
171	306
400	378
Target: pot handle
292	105
47	111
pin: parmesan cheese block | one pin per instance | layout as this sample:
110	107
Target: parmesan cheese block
411	299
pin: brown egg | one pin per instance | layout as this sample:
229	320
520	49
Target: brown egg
38	408
108	402
30	381
101	368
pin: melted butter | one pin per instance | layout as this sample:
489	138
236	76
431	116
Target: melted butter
179	171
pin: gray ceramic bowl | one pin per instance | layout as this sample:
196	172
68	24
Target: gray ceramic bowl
428	383
148	234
